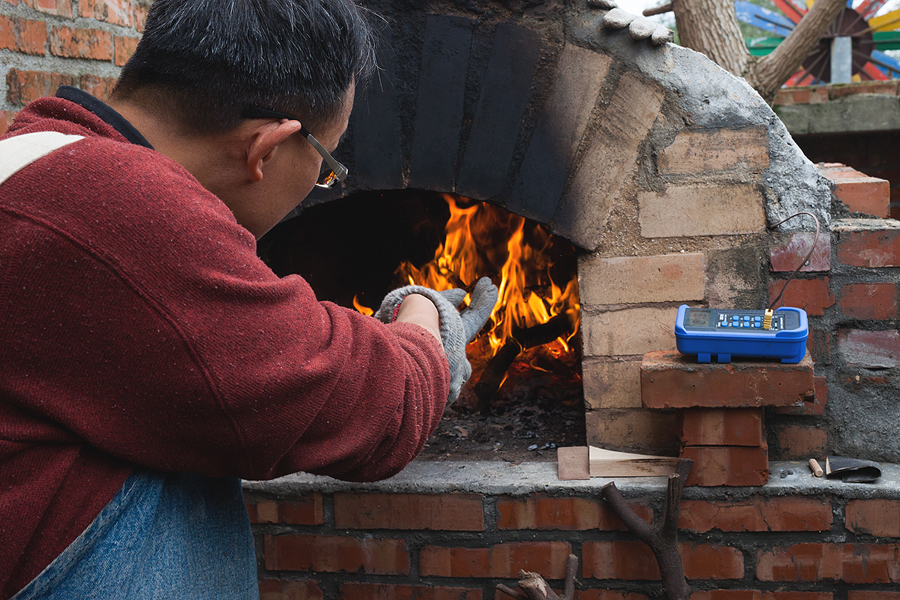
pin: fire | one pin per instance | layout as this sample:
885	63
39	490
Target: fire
484	240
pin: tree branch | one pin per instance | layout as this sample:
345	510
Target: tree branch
662	538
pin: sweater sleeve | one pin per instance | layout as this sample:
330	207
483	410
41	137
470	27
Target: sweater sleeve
148	328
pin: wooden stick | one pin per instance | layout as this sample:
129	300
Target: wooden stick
815	468
658	10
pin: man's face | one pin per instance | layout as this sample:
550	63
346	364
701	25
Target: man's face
291	175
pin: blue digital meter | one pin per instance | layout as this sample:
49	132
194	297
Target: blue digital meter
741	333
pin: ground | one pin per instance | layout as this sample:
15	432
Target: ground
533	413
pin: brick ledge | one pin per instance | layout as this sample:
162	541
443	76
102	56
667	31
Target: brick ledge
787	478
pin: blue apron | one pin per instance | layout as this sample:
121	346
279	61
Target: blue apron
172	536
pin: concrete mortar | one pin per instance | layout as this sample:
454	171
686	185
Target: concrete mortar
711	97
499	478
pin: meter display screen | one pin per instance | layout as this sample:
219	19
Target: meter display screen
698	318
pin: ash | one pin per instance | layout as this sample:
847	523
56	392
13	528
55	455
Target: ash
534	412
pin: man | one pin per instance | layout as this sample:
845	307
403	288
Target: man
149	358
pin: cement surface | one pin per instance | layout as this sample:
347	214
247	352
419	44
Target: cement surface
852	114
499	478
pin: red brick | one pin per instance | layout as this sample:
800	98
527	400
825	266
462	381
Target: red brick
860	247
335	554
818	95
576	514
727	465
304	511
870	349
140	15
872	595
449	512
791	513
21	35
98	87
816	407
758	595
375	591
633	560
282	589
880	518
63	8
503	560
867	195
868	87
850	563
81	43
6	119
673	380
125	47
595	594
801	442
722	427
117	12
792	95
727	595
869	301
789	249
812	295
26	86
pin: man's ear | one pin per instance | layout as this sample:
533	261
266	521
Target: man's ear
265	141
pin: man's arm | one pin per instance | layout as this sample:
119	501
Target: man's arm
421	311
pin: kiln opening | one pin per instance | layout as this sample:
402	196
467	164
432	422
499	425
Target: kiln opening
525	396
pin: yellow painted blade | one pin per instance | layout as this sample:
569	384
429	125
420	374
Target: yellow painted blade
809	4
886	22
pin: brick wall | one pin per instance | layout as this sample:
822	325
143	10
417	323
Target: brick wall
803	542
850	292
48	43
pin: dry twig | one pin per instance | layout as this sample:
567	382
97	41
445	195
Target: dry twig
534	587
662	539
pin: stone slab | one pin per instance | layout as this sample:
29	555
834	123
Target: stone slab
560	127
498	116
609	162
695	210
375	126
439	107
639	279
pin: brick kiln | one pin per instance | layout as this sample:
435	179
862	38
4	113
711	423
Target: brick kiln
666	173
661	169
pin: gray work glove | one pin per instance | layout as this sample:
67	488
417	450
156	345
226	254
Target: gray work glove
639	27
458	328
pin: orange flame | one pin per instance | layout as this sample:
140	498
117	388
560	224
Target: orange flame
474	247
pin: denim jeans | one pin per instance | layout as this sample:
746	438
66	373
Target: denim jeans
161	536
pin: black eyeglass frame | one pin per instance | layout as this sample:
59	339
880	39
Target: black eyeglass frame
338	171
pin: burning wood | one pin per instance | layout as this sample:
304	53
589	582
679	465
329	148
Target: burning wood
533	310
521	339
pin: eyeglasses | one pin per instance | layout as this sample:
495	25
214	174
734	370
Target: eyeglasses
332	171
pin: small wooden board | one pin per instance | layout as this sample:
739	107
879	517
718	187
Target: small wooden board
584	462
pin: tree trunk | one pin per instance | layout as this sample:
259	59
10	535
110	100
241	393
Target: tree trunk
711	27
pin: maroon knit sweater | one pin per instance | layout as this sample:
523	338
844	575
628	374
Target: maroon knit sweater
138	327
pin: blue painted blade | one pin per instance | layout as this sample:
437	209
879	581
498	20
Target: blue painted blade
765	19
888	65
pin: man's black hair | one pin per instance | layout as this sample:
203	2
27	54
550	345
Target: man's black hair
203	62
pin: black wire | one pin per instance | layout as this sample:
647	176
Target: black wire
803	262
